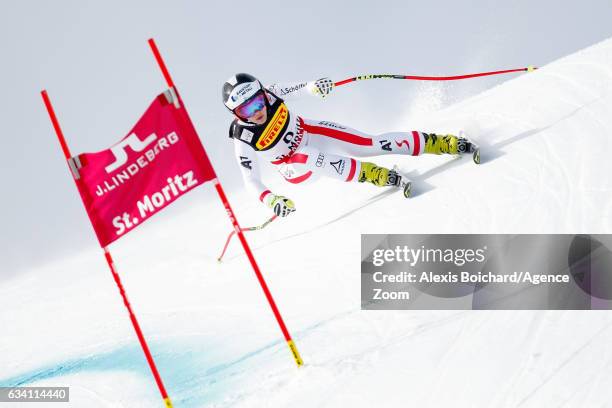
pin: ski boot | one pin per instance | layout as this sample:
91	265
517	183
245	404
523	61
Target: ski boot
383	177
450	144
464	145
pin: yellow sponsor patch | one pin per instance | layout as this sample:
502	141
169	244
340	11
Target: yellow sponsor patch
273	130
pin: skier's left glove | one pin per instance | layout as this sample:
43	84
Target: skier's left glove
321	87
282	206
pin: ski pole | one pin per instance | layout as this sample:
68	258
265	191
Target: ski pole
231	234
530	68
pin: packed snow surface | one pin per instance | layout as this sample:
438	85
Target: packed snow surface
546	142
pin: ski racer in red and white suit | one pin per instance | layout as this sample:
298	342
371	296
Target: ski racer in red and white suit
265	130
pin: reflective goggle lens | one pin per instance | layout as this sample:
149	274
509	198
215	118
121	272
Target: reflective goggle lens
250	107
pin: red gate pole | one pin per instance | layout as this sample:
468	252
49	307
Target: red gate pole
111	265
230	212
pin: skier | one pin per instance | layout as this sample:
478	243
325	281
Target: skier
265	130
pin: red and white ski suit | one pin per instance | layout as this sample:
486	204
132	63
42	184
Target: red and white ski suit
304	149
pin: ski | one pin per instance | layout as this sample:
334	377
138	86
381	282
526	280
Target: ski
406	187
476	154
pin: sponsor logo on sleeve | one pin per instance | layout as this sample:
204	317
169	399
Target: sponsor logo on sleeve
331	125
289	89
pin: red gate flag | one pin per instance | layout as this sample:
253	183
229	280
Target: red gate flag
158	161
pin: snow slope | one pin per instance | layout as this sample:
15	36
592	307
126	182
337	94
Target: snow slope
545	138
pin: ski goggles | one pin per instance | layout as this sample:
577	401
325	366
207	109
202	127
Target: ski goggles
251	106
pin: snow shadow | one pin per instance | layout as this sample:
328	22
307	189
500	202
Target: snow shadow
192	377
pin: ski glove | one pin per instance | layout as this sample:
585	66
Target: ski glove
321	87
282	206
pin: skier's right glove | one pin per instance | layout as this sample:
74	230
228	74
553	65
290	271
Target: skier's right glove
282	206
